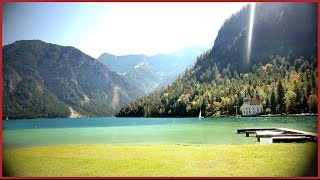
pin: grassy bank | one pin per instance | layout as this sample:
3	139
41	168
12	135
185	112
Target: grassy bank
163	160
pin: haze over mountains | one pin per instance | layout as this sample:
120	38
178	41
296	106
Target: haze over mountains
152	72
282	70
46	80
42	80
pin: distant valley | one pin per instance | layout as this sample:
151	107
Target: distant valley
281	70
47	80
152	72
43	80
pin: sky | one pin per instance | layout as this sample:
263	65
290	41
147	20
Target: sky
117	28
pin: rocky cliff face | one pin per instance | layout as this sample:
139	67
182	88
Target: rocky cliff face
284	29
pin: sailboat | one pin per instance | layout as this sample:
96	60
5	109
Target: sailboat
237	116
200	114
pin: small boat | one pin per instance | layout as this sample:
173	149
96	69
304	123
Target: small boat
200	115
35	124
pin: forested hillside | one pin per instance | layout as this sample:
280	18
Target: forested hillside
282	70
285	29
281	87
44	80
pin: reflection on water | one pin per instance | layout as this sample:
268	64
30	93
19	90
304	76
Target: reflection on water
142	131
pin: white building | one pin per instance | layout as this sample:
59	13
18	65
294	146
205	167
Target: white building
252	107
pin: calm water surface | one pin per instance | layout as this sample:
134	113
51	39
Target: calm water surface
142	131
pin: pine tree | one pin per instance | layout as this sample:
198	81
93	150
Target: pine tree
305	105
267	103
273	102
280	98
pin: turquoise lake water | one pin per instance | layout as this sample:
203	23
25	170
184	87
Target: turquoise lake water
142	131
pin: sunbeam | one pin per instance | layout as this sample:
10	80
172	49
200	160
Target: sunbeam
252	9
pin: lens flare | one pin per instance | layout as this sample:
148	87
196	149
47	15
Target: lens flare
252	9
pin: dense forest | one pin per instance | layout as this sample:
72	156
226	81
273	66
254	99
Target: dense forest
281	70
282	88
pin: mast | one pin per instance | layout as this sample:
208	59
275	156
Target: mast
236	110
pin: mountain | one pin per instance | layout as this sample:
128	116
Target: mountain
284	29
152	72
121	64
281	70
43	80
135	69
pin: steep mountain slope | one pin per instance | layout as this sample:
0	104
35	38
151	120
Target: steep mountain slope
284	29
152	72
42	80
223	77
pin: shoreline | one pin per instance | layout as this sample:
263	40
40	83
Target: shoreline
75	114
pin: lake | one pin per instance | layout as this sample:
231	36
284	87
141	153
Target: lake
142	131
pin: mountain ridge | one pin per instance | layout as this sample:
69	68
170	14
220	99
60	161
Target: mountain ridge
274	33
282	71
152	72
63	73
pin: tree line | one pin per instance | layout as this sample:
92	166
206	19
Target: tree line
280	86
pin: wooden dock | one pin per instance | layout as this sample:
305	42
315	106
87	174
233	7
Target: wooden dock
280	134
290	139
253	129
293	131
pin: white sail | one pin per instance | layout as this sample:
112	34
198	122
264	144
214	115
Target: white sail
200	114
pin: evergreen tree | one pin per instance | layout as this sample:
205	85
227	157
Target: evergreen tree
267	104
280	97
305	105
273	102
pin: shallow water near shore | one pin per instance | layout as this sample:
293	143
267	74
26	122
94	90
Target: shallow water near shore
143	131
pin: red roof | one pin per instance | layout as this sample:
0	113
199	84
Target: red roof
255	101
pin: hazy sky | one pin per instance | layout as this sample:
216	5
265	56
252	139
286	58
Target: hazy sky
117	28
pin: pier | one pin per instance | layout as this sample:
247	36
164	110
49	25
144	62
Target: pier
274	135
253	129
